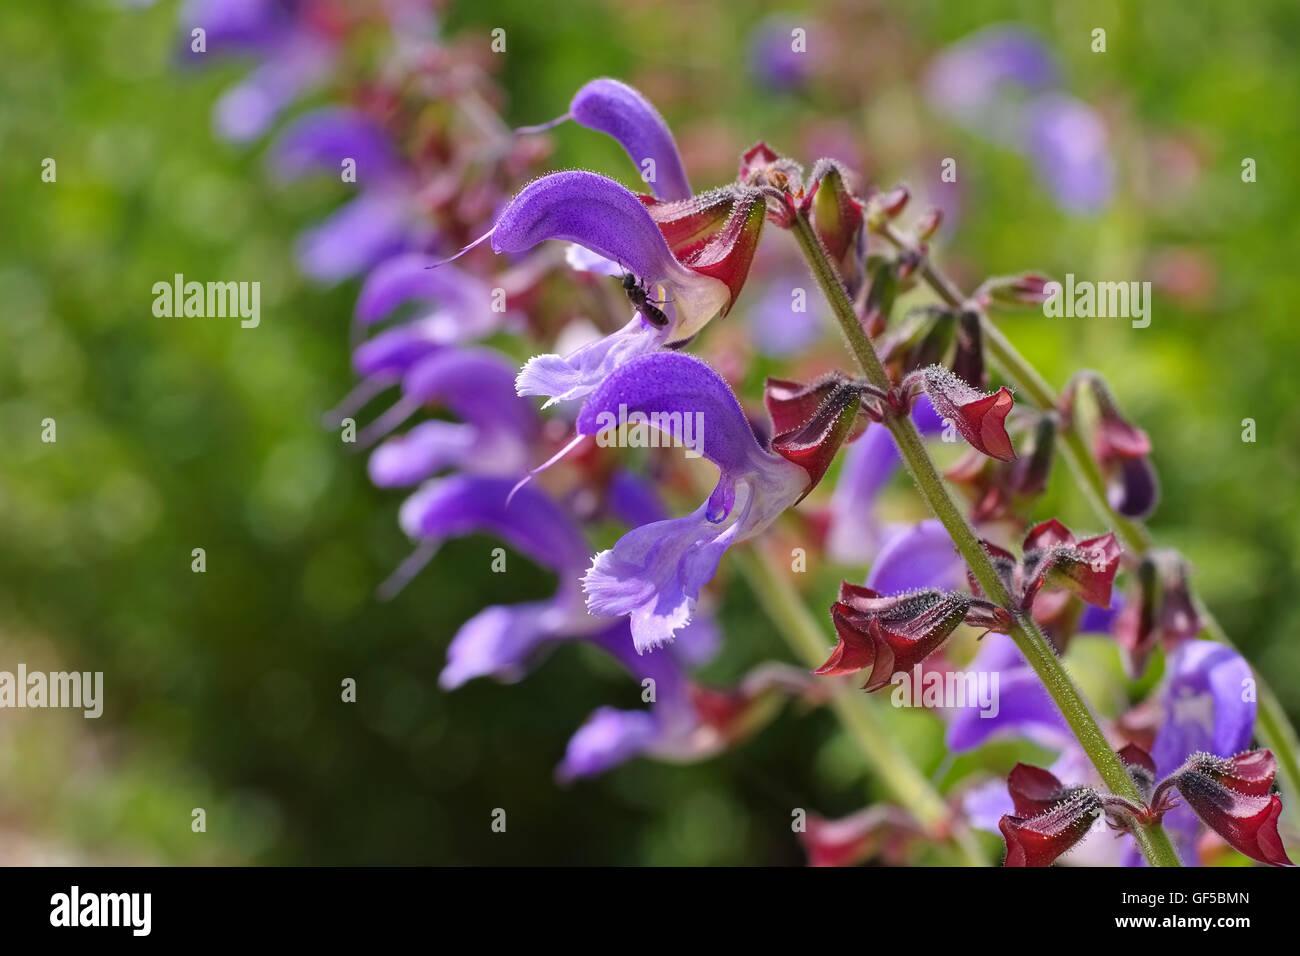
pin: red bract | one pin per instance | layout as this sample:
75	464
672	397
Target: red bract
892	634
714	234
1054	559
1040	839
1035	790
812	421
1232	797
980	418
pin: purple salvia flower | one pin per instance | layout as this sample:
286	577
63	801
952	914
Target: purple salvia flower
369	229
855	534
1206	708
978	80
600	215
1068	143
603	217
616	109
655	573
476	384
501	641
319	141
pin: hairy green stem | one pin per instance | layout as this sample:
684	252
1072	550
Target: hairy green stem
855	710
1028	638
1274	728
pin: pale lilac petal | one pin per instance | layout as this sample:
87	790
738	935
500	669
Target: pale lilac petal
584	260
573	376
621	112
654	574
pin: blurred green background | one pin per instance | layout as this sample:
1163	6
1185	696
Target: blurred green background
222	688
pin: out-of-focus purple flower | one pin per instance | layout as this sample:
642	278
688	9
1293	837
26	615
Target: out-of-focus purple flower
774	60
378	223
319	141
856	535
1003	84
1068	144
453	306
294	55
366	231
502	640
655	573
777	328
920	557
976	76
1207	705
495	434
686	721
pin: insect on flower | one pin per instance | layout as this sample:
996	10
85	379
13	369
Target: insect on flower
639	296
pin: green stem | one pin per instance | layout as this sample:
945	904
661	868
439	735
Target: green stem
855	710
1028	638
1273	726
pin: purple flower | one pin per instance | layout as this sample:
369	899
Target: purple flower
655	573
686	721
293	57
971	79
1205	706
777	328
500	641
773	59
856	535
453	305
1003	84
603	217
497	427
375	225
319	142
619	111
1068	143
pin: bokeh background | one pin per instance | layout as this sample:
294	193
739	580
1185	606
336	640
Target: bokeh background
222	688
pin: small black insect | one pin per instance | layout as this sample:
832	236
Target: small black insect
639	297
